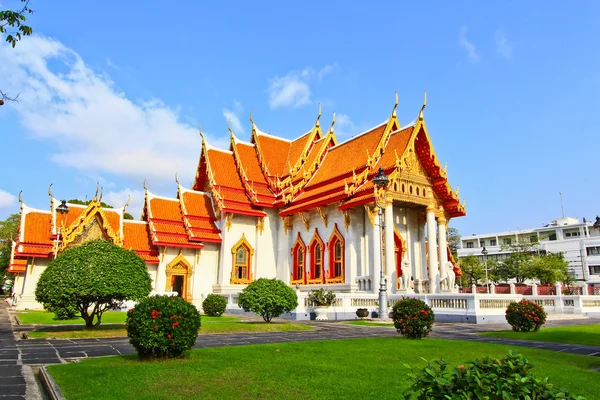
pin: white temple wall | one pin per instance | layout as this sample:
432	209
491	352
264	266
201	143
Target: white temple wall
205	272
266	246
28	282
406	222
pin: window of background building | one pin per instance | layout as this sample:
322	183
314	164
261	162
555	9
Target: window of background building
469	245
507	241
593	251
552	236
482	243
595	269
492	242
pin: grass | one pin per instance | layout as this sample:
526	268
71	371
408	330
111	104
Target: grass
40	317
210	325
581	334
338	369
361	322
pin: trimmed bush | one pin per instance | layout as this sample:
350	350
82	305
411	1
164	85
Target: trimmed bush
214	305
525	316
488	378
413	318
268	298
162	326
93	278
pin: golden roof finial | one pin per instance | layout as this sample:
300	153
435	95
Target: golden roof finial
101	193
332	123
318	123
423	108
457	191
251	120
20	199
395	105
128	202
176	180
145	188
229	126
50	190
97	186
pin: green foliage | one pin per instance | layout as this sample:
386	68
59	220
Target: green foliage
472	270
412	317
548	268
488	378
15	19
320	298
62	313
268	298
453	241
525	316
162	326
214	305
9	229
93	277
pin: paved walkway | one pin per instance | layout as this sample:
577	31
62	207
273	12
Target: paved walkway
50	351
16	380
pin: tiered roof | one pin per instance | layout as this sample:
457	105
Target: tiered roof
314	170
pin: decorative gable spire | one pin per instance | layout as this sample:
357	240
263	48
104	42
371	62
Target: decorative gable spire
318	122
423	108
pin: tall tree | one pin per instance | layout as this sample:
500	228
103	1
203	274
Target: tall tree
12	29
8	232
472	270
548	268
453	241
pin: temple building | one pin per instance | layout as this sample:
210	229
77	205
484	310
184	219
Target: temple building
304	211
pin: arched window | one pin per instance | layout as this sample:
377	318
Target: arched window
336	257
317	254
298	261
241	253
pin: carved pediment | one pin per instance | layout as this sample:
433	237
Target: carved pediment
91	225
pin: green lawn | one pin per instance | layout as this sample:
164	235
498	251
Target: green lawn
361	322
580	334
339	369
41	317
210	325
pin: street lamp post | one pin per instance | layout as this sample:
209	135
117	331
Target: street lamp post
381	181
485	268
62	209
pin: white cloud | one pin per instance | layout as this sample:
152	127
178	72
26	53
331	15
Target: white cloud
112	64
503	47
344	126
293	90
119	199
7	200
94	127
469	47
233	117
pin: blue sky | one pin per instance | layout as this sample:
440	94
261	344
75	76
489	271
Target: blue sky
116	94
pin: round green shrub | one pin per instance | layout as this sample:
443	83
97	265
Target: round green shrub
268	298
162	326
214	305
510	377
525	316
92	277
413	318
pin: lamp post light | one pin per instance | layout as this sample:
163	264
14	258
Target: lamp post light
381	181
62	209
485	253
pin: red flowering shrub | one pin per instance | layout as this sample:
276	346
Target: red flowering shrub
413	318
162	326
525	316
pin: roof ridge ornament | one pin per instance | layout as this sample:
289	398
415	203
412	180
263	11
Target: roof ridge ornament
101	193
176	179
50	190
20	198
423	108
395	105
332	123
251	120
144	185
128	202
229	126
96	194
318	122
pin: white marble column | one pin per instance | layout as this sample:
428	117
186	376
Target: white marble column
390	264
376	237
432	251
443	252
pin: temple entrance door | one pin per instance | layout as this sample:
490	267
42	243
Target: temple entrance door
398	251
178	285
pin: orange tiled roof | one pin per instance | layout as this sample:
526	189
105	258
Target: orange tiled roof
17	265
199	216
37	228
166	223
275	152
136	236
395	146
296	148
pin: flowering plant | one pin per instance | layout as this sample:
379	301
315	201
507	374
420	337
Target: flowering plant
525	316
321	298
413	318
162	326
